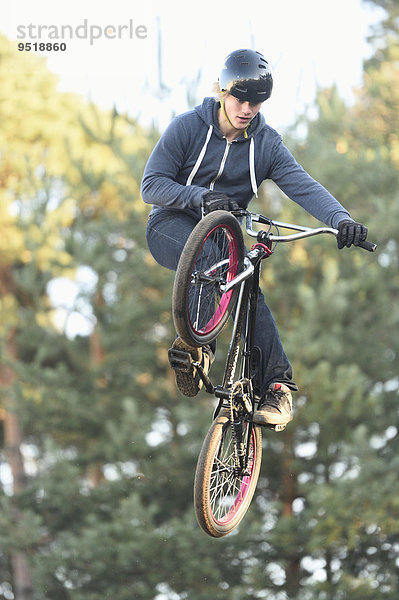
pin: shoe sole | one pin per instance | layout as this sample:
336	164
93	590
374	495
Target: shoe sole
190	383
260	420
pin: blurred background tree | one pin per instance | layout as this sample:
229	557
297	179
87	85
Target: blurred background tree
99	448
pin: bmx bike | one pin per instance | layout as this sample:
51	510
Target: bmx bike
216	277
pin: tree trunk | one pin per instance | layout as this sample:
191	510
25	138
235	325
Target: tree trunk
287	496
22	578
95	474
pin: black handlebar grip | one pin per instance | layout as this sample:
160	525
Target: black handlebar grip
368	246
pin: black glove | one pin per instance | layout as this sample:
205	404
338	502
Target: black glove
350	232
217	201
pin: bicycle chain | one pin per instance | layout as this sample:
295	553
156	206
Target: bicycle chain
236	385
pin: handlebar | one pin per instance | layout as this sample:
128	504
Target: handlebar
303	232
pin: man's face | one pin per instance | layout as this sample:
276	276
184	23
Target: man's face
240	112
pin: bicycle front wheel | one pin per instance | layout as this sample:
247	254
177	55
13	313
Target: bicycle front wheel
212	256
221	495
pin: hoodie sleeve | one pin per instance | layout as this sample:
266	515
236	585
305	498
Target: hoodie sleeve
299	186
159	185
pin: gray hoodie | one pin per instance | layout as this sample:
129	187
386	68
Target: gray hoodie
192	157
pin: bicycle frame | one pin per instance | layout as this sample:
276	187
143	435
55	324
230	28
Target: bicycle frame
243	329
244	332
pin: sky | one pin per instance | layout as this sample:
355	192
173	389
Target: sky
308	44
112	57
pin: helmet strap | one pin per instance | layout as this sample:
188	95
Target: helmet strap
227	118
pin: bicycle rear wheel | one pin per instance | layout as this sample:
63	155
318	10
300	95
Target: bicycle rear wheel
222	496
212	256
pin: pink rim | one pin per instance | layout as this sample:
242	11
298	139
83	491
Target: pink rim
244	488
225	298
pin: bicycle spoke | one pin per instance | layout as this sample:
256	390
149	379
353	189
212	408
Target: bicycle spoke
196	322
215	264
227	490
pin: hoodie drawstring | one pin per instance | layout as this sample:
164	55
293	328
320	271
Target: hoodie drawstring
251	162
200	157
252	167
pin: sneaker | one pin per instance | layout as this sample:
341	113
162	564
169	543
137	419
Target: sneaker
275	407
188	379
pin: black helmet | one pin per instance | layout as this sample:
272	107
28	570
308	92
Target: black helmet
247	76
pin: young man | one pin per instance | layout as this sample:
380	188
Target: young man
215	157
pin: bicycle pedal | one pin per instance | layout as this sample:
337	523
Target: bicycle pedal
180	360
278	428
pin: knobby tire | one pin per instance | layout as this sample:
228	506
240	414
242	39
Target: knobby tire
213	254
